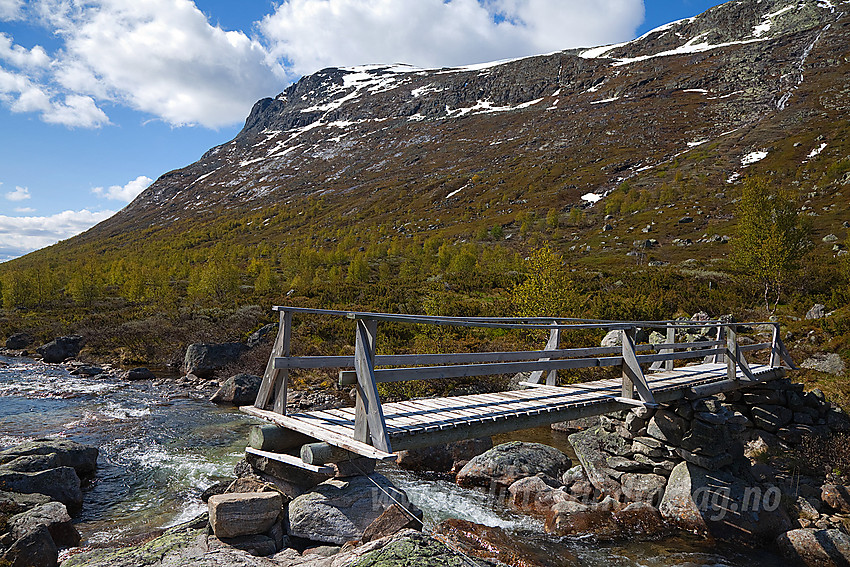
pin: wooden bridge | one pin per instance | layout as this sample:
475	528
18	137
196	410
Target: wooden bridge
313	439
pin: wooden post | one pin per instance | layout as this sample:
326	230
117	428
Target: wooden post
628	338
369	424
282	382
552	344
731	353
273	376
633	378
721	335
671	338
775	353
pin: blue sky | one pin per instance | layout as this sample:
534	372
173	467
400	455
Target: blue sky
100	97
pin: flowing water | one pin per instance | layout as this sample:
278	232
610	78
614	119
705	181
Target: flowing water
160	449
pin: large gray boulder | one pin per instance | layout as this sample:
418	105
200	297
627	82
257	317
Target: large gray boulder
505	464
53	516
203	359
816	548
61	484
831	363
19	341
61	348
593	447
34	549
723	506
340	510
239	390
647	488
42	454
244	513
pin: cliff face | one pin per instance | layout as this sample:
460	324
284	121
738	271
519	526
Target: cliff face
436	147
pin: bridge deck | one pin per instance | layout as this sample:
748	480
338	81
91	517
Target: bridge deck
427	422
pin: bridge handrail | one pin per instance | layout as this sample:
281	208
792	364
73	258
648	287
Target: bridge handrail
371	369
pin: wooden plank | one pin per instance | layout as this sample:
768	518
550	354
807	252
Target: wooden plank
551	345
644	358
296	423
631	369
756	346
671	339
291	460
270	375
282	381
369	421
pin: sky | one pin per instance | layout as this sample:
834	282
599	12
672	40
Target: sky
98	98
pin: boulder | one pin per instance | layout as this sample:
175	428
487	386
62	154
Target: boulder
61	453
593	447
239	390
818	311
140	373
723	506
488	543
771	417
648	488
576	519
666	426
340	510
816	547
35	549
203	359
260	335
506	463
443	458
61	348
393	520
640	519
706	439
836	497
61	484
243	513
16	502
19	341
536	493
831	363
53	516
612	339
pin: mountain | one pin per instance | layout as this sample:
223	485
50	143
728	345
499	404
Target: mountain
617	154
422	148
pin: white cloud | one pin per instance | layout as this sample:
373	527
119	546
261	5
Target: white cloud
11	10
19	194
126	193
24	210
21	56
20	235
311	34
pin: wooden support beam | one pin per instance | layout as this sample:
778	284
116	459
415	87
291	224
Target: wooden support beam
369	425
731	352
291	460
275	438
633	378
671	339
552	344
720	358
323	453
272	375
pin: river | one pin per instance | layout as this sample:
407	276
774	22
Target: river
160	448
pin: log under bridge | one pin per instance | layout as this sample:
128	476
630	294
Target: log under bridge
315	440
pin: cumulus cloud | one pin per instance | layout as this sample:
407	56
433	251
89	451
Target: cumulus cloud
24	210
20	235
11	10
311	34
19	194
125	193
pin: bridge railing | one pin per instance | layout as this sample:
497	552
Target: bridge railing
365	369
